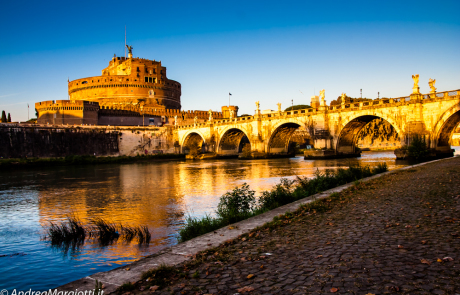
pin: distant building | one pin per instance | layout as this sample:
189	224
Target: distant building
130	91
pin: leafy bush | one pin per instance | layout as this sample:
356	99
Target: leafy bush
237	203
280	195
417	147
195	227
298	107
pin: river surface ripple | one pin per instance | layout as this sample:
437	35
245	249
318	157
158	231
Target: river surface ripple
157	195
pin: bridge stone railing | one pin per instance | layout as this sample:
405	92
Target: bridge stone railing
383	102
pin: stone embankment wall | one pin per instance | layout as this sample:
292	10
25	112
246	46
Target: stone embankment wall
19	141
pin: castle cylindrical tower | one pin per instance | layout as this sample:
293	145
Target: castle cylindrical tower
129	81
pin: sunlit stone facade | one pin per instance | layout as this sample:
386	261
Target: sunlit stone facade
129	81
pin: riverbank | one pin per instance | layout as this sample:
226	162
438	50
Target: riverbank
85	160
381	235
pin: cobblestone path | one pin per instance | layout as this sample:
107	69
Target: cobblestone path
399	233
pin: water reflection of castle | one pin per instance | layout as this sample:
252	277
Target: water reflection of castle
131	91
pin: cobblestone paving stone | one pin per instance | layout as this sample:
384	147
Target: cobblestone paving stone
393	234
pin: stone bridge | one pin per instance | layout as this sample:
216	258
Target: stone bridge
433	116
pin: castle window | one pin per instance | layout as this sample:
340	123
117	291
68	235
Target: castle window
138	69
84	82
146	79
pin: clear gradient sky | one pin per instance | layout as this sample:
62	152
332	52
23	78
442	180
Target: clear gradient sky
267	51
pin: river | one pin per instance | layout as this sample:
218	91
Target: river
158	195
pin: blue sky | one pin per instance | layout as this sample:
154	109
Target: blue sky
267	51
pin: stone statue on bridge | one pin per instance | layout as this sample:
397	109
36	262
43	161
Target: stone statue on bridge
415	89
279	107
210	115
195	121
431	83
344	95
322	95
175	120
257	105
231	114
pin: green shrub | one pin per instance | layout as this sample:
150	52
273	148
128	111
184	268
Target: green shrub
237	203
280	195
417	147
195	226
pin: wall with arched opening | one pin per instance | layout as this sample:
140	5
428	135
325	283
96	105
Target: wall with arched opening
445	127
193	140
348	137
232	142
280	137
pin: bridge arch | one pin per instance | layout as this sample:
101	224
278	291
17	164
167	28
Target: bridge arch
278	142
232	141
192	137
445	126
348	135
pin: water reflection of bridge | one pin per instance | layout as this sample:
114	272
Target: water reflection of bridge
433	116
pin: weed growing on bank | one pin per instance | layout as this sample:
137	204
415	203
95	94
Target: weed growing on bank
241	203
70	234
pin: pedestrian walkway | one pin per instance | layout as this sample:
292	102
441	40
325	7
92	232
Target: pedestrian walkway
395	233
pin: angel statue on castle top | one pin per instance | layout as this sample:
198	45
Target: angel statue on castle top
130	49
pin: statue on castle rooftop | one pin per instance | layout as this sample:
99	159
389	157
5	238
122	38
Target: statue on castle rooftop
431	83
130	49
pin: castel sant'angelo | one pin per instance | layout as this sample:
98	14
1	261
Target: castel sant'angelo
130	91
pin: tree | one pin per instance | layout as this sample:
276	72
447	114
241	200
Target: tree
9	117
4	117
298	107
